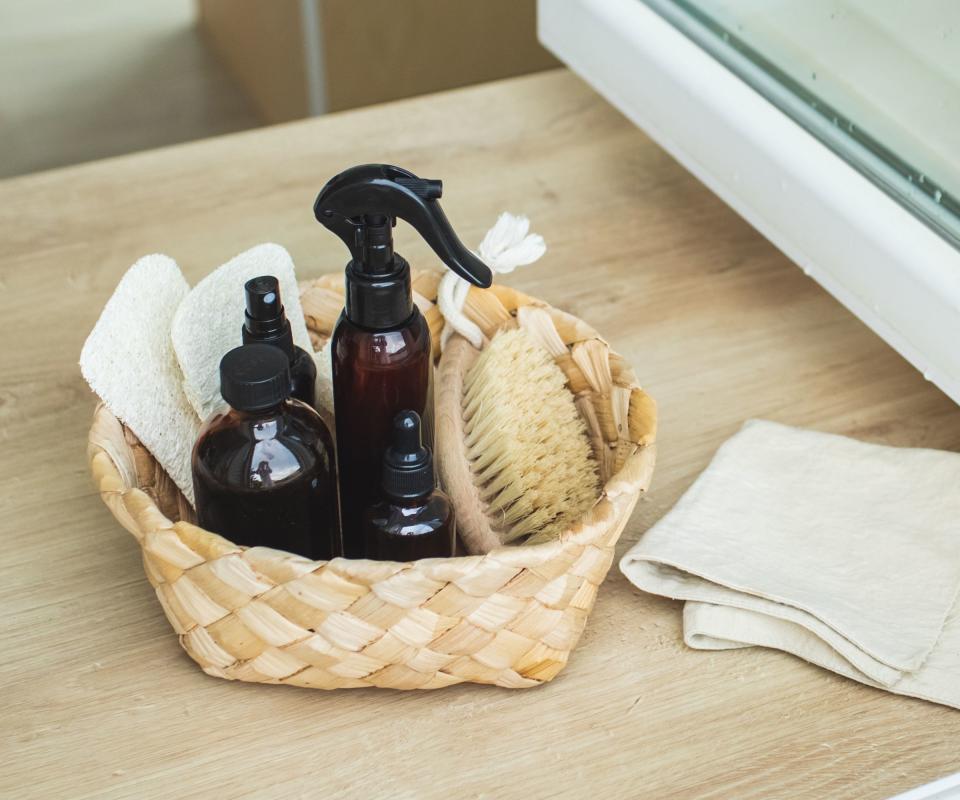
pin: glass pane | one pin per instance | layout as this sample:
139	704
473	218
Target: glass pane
878	81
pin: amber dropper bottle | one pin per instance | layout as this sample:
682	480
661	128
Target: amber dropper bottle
414	519
381	360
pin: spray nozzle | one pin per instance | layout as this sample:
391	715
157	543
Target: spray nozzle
423	187
262	297
361	205
264	320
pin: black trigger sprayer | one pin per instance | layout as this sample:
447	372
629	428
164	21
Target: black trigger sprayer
381	344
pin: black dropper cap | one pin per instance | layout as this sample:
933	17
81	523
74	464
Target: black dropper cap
265	320
361	205
255	377
407	464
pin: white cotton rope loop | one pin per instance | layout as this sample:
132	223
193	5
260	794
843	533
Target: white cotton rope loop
507	245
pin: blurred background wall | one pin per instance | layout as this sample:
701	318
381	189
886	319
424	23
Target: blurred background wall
86	79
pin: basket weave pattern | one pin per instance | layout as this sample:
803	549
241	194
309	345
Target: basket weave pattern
510	617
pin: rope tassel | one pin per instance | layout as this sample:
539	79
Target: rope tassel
506	246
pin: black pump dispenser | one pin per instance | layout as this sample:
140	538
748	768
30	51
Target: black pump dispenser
264	320
361	205
407	464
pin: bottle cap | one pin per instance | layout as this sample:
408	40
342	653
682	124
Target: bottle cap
407	464
255	377
265	320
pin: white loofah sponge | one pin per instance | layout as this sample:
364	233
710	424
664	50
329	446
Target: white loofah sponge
208	322
128	360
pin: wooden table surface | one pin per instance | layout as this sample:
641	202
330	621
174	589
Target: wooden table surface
97	699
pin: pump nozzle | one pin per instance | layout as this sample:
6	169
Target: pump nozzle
264	321
262	297
362	204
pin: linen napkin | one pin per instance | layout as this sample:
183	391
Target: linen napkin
843	553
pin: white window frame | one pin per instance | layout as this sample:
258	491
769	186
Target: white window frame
874	256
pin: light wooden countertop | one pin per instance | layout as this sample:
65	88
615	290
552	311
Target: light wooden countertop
98	700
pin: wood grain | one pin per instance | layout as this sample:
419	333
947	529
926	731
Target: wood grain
97	699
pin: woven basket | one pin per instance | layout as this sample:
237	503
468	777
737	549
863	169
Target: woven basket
510	617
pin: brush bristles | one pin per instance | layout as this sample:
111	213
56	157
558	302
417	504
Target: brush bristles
527	445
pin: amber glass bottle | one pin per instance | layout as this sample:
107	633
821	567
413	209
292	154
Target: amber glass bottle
375	374
263	472
413	519
381	345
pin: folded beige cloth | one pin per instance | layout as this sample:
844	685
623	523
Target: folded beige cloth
843	553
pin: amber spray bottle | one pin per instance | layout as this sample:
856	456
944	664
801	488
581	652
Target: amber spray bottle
413	519
381	356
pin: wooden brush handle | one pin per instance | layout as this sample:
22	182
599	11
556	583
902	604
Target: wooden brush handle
455	477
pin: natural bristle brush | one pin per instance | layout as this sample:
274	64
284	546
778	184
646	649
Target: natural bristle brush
526	443
529	428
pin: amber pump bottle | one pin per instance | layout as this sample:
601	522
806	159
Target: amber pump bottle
265	322
263	472
381	344
413	519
